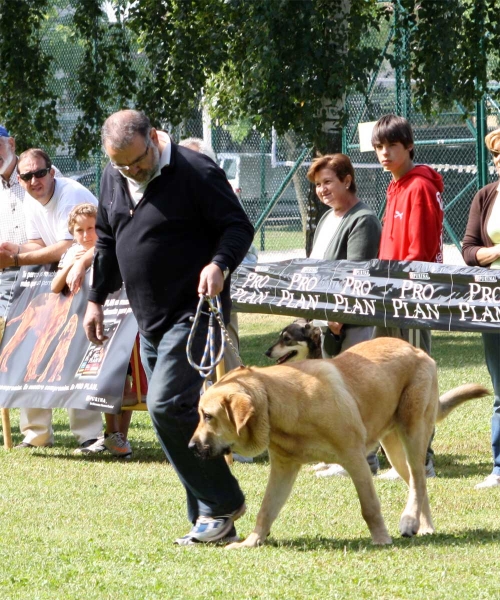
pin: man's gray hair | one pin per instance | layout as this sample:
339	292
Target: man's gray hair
120	128
199	145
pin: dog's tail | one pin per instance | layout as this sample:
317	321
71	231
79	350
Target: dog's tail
455	397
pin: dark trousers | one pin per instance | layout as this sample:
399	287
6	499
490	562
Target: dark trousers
173	394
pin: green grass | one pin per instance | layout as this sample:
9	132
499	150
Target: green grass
79	528
279	239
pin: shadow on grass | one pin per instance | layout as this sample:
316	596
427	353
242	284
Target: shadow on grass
476	537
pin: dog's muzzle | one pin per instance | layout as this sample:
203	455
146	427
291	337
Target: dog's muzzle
206	451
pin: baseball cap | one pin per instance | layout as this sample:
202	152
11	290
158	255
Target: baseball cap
3	132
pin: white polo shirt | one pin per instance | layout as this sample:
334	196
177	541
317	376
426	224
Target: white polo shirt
50	222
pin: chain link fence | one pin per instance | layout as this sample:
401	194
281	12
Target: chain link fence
269	173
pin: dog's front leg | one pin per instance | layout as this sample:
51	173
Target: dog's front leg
358	469
281	479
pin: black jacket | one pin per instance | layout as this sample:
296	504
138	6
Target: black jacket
187	217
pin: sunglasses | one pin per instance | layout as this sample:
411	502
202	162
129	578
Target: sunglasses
495	153
36	174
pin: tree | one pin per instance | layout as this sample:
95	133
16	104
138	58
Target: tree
28	108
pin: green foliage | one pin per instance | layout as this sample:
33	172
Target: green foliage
183	41
285	64
106	76
27	108
295	61
450	45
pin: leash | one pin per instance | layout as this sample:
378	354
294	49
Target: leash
210	360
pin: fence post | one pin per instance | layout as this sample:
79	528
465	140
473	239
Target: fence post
481	153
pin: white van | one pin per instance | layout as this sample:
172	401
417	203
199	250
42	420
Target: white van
255	181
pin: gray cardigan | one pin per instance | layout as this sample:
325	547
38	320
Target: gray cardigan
357	236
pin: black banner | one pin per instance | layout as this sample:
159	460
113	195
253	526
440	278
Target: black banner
46	360
375	292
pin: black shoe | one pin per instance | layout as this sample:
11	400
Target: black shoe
26	445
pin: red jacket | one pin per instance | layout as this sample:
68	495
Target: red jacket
413	221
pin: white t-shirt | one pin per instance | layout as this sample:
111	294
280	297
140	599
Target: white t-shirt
50	222
328	229
69	256
493	227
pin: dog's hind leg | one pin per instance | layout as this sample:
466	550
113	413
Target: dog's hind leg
357	467
416	517
395	452
281	479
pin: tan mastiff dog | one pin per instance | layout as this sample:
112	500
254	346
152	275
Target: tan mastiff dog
333	411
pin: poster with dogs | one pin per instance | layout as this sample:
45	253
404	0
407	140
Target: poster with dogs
46	360
405	294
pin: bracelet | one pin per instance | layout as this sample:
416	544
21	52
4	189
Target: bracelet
16	259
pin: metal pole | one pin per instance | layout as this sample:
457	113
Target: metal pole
481	154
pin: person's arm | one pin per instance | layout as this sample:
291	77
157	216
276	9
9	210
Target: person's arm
93	323
59	281
222	211
364	238
474	249
34	252
425	226
76	273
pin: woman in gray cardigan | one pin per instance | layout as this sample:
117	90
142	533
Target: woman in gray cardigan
349	231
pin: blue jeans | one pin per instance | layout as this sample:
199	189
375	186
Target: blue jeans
491	343
174	389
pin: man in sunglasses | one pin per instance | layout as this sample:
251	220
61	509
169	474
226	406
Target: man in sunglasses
171	226
47	204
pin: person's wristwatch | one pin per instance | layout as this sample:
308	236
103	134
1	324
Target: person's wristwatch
223	267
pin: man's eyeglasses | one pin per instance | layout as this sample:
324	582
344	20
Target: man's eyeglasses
134	162
495	153
36	174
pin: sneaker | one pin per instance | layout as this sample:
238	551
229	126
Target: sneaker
320	466
429	469
333	471
242	459
26	445
118	445
490	481
393	475
95	446
231	537
212	529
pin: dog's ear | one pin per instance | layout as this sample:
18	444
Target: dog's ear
238	409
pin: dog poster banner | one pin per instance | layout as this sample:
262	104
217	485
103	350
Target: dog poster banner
46	360
402	294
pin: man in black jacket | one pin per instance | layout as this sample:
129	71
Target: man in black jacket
171	227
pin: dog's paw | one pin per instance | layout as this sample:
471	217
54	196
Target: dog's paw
383	540
426	530
408	526
252	541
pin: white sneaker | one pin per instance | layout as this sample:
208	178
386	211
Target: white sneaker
333	471
242	459
118	445
95	446
391	475
320	466
490	481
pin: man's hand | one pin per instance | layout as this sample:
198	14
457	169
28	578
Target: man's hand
93	323
211	281
75	276
335	327
6	259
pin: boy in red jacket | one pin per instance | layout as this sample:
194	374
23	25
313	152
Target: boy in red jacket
413	221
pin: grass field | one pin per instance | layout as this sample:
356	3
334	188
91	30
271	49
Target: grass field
79	528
